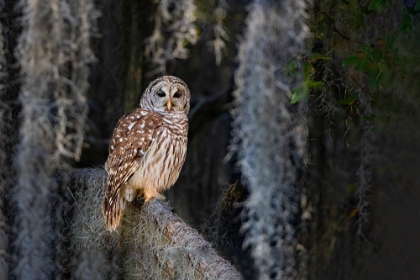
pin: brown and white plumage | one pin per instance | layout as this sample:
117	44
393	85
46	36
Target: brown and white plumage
148	147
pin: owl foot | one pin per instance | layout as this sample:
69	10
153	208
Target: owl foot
148	195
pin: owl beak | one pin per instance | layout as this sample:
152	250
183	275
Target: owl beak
169	105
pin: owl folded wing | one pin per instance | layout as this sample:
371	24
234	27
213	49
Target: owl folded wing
130	141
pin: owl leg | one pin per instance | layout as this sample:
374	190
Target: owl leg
148	194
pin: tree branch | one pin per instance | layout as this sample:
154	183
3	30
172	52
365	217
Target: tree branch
188	242
153	241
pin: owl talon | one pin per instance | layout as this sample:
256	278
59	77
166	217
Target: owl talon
161	197
157	196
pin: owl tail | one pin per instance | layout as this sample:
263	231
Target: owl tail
112	212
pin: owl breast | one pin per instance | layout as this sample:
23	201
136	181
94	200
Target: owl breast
161	164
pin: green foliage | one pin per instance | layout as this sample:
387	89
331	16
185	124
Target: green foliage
376	60
302	90
350	100
316	56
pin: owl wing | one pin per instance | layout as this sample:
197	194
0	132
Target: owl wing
130	140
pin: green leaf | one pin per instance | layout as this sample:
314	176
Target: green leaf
346	101
315	84
351	60
294	99
349	100
316	56
299	93
308	69
292	67
417	7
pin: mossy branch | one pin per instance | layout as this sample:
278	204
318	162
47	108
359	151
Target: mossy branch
154	242
187	242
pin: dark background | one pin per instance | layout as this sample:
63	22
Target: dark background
359	207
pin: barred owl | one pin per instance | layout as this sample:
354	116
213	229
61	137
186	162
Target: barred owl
148	147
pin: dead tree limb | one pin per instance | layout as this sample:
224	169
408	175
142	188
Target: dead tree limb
153	242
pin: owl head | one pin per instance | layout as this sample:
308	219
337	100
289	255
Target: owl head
167	94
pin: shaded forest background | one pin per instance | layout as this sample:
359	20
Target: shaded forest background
303	144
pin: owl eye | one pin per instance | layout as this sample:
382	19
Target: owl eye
160	93
177	94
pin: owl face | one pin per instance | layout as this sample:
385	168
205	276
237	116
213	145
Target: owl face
166	94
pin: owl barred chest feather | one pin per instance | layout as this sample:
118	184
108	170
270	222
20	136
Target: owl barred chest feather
160	167
148	147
